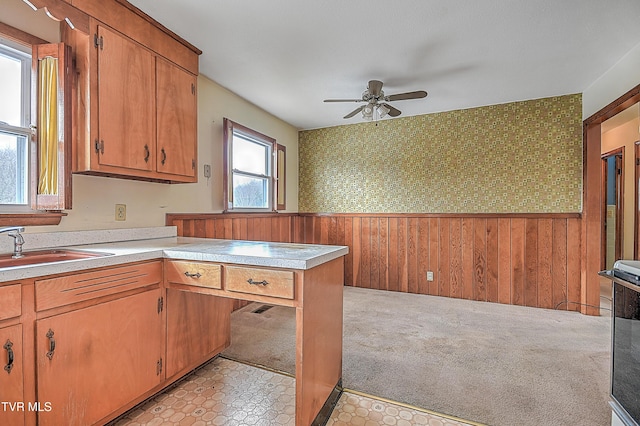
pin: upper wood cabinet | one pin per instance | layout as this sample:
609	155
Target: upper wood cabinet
126	103
136	99
176	119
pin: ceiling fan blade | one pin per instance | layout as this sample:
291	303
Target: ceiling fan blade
354	112
393	112
375	87
343	100
404	96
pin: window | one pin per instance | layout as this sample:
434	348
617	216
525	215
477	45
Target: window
15	85
35	129
249	164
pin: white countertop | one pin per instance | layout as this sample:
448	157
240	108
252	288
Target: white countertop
255	253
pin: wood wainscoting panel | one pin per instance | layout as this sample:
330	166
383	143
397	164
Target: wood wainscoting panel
519	259
275	227
492	260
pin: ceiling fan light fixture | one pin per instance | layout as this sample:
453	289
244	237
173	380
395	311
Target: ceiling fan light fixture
382	111
367	112
375	100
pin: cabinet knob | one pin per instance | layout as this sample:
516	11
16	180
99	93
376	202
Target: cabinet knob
252	282
164	156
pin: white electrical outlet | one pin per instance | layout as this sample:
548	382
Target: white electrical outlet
121	212
429	275
207	171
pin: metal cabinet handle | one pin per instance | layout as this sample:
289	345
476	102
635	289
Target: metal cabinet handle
252	282
146	153
52	344
9	348
164	156
191	275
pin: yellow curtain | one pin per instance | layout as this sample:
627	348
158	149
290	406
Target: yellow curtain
48	126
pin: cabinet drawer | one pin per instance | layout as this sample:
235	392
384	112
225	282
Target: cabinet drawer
200	274
10	301
65	290
265	282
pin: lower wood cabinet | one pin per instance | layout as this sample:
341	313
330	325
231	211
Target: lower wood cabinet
82	348
13	406
198	327
92	361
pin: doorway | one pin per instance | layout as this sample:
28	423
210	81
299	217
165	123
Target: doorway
613	212
591	232
636	201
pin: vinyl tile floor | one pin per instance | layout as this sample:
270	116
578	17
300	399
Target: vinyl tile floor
227	392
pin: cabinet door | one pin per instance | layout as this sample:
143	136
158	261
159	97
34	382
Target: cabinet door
126	103
11	383
198	326
176	120
92	361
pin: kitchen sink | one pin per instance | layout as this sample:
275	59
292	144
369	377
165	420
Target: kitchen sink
47	256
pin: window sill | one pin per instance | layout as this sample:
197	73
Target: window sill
31	219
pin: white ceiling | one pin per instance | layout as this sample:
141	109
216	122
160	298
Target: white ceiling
287	56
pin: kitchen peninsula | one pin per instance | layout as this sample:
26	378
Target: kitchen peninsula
149	309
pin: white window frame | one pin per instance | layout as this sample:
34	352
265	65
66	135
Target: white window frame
230	129
22	53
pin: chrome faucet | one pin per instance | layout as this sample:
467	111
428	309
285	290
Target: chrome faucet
18	241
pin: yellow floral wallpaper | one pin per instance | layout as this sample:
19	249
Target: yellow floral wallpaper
521	157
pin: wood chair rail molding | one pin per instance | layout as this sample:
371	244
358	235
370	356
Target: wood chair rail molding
459	215
276	227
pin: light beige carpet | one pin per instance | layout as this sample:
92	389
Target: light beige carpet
495	364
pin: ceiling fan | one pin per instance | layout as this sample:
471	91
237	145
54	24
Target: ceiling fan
376	101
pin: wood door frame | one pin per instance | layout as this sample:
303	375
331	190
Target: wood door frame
636	200
592	202
619	188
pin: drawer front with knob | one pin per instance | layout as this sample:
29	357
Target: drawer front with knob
264	282
194	273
